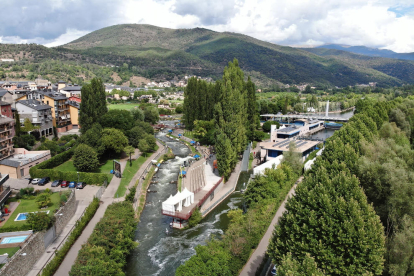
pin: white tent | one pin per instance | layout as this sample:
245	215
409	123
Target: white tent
168	205
268	165
308	165
187	197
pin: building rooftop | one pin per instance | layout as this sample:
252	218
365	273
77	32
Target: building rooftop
288	129
22	159
54	95
72	88
34	104
283	145
5	120
4	103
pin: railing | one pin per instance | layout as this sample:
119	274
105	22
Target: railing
5	193
201	201
178	214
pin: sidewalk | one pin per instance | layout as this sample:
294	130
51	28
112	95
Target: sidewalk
257	257
106	199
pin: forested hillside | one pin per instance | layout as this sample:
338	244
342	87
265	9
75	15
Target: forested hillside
160	53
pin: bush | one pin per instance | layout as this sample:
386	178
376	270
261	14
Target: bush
110	243
63	198
267	125
195	218
54	264
130	197
43	200
23	227
39	221
85	158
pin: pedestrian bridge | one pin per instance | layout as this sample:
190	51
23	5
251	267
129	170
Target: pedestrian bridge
309	117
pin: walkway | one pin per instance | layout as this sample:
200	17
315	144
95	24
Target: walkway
257	257
106	199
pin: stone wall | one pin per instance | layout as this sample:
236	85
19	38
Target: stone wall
24	259
65	213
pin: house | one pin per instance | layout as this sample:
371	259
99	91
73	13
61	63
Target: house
60	107
6	109
6	96
71	90
275	148
18	164
39	114
75	99
74	107
6	136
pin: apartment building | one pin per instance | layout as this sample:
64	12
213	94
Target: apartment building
6	136
39	114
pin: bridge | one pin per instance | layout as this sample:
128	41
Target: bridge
309	117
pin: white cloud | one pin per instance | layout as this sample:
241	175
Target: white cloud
375	23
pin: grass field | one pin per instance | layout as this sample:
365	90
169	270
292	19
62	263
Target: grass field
128	174
69	167
30	205
126	106
10	251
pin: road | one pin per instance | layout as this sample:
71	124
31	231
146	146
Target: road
257	257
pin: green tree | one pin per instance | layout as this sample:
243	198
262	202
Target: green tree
195	218
129	151
293	158
225	155
151	115
137	114
292	267
85	158
267	125
113	140
39	221
145	126
252	120
143	146
28	126
330	219
93	105
43	200
17	126
117	118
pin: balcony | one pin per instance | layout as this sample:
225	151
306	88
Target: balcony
2	129
4	195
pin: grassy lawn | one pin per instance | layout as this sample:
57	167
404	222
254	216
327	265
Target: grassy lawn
250	164
9	251
30	205
129	173
69	167
127	106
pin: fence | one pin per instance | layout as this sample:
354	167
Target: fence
101	190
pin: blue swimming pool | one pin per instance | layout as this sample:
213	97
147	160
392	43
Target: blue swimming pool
18	239
21	216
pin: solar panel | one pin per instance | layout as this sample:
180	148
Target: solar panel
285	143
301	144
277	144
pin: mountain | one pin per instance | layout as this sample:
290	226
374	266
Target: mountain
120	53
372	52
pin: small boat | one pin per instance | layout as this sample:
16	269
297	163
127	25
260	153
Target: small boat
166	231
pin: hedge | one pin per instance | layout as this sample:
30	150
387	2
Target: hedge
24	227
47	168
54	264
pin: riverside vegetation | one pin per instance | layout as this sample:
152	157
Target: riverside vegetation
368	161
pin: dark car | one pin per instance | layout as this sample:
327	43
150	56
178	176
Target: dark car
72	184
80	185
273	272
64	184
43	181
56	183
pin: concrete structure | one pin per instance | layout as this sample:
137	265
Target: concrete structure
274	162
273	149
309	117
6	137
6	96
39	114
18	165
300	128
60	107
71	90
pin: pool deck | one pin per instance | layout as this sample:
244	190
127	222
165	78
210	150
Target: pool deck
12	208
14	234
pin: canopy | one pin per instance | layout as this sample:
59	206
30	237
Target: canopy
176	203
154	161
180	135
183	172
196	156
170	130
187	197
192	142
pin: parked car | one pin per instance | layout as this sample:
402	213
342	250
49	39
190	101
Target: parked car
56	183
80	185
35	181
43	181
273	272
72	184
64	184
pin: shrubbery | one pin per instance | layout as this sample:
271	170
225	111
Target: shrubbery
39	221
111	242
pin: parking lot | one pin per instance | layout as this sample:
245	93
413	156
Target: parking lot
86	194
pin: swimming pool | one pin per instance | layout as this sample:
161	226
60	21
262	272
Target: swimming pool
18	239
23	216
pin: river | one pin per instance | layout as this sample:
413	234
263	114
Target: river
159	253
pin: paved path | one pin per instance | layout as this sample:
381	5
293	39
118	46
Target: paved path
257	257
106	199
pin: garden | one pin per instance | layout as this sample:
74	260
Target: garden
33	202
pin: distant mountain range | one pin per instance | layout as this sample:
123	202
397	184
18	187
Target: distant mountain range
162	53
372	52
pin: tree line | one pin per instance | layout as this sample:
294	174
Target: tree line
231	104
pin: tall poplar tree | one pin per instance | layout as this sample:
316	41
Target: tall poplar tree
93	105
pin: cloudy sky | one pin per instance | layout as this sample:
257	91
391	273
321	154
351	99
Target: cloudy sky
387	24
